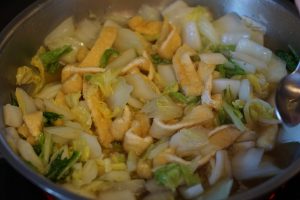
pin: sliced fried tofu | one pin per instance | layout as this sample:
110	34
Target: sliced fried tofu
170	44
101	115
34	122
72	84
104	41
185	71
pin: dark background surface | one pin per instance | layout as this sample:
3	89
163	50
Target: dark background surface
14	186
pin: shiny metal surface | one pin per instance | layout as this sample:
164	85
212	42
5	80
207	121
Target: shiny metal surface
288	99
22	37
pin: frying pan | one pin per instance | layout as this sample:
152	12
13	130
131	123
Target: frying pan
21	38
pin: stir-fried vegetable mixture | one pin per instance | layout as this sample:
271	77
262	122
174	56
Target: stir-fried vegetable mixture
169	104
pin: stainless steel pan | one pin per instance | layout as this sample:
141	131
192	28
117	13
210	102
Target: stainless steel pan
21	38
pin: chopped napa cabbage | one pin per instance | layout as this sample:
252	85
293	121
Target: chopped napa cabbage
107	55
120	96
82	114
81	146
29	75
105	81
235	115
230	69
172	175
26	75
43	147
187	142
163	108
257	110
149	12
12	115
27	153
179	97
50	59
127	39
143	88
72	99
259	84
87	31
59	167
50	118
197	13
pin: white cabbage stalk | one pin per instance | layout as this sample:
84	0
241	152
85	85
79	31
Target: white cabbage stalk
259	64
120	95
254	49
133	102
198	115
50	106
27	153
276	70
136	143
116	176
12	137
187	142
230	23
127	39
73	125
162	108
64	132
213	58
157	150
191	191
12	115
244	161
131	162
94	145
64	29
245	90
149	13
230	38
249	68
207	29
89	171
116	195
122	60
219	85
26	103
219	168
191	35
49	91
266	169
248	165
219	191
176	12
87	31
143	88
167	74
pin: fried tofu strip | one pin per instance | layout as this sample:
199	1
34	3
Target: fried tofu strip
101	114
105	41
